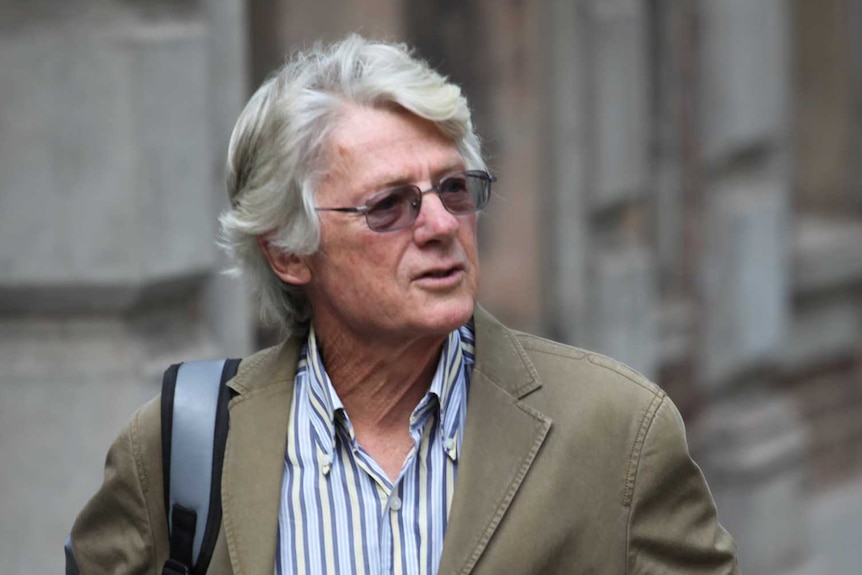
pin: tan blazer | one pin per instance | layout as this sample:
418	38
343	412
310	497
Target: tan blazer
572	463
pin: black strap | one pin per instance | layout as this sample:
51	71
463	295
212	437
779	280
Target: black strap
71	564
183	519
222	424
174	568
169	384
182	539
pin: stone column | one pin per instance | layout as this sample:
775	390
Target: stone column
107	228
229	310
565	237
854	172
622	271
826	128
599	272
748	436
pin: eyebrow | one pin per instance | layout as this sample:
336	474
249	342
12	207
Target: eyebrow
393	180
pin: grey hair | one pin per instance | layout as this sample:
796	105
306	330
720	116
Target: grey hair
277	148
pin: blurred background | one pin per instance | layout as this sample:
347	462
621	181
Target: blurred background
679	187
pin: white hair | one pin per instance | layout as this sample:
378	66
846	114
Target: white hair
277	150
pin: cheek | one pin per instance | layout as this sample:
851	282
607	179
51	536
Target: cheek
366	264
467	237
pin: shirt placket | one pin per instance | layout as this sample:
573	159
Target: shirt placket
390	496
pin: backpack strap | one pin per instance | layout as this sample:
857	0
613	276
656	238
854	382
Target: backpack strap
194	432
71	564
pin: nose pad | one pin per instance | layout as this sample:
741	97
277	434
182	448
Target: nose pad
434	215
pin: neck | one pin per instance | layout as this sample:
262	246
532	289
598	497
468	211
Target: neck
379	384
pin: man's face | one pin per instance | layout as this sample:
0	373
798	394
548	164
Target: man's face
416	282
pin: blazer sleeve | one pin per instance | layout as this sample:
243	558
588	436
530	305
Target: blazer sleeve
114	532
673	526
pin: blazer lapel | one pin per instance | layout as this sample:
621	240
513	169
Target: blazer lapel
254	458
501	440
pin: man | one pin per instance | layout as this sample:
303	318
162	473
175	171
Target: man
400	428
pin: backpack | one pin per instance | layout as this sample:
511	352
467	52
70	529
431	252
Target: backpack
194	418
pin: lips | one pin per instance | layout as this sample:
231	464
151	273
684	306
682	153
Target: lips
440	272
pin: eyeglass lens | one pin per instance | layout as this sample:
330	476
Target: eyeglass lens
398	207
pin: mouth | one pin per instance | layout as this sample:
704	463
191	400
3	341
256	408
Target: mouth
441	273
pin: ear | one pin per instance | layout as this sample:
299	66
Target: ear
290	268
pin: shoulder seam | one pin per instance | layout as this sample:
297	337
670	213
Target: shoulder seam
598	360
623	371
526	338
637	446
634	463
574	352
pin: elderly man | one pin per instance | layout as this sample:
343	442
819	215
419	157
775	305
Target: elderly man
400	428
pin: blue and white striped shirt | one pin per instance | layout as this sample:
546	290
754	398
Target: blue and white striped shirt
339	512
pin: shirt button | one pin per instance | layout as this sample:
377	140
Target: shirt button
450	444
394	503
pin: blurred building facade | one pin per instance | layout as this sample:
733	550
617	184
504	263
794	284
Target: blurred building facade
679	189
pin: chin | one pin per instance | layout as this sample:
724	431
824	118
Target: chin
451	316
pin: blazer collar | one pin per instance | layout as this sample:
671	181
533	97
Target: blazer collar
254	457
502	358
501	440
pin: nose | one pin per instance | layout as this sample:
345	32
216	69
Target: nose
434	220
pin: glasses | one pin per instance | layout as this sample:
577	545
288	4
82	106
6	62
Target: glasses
397	208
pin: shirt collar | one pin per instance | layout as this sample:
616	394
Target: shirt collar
449	386
448	390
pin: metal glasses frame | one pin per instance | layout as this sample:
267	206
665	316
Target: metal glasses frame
374	200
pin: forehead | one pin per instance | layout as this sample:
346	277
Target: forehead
375	146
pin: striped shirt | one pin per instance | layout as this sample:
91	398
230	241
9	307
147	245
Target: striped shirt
339	512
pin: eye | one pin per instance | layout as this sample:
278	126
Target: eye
393	208
388	200
457	195
454	185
